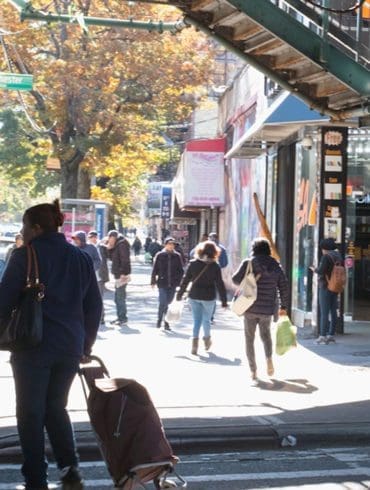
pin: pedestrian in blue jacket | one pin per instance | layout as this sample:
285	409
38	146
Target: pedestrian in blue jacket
43	375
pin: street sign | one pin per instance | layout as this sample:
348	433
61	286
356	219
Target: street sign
16	81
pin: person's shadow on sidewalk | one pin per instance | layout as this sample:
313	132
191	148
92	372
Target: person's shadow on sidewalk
212	359
288	385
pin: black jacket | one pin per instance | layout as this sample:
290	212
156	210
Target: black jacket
167	269
271	281
205	287
326	265
120	257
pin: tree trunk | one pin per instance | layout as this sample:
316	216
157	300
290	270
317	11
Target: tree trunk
69	176
84	184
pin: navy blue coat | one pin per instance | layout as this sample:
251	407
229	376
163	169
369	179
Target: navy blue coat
272	280
72	304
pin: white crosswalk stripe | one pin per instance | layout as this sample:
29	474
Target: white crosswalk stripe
332	469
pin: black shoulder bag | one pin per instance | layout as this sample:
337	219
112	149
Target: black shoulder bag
23	328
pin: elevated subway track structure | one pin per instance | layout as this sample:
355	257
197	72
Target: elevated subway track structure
321	56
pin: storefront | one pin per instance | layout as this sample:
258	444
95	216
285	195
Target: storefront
353	230
357	304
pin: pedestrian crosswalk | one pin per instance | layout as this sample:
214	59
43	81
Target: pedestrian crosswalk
315	469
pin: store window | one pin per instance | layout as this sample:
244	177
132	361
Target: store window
305	221
357	296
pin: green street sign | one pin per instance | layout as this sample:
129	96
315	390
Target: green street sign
16	81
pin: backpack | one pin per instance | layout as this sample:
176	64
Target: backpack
338	276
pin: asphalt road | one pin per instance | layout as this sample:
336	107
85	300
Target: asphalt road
319	469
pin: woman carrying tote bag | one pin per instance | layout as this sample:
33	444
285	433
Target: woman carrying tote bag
271	281
43	374
205	275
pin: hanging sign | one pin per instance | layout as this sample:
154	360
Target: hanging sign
16	81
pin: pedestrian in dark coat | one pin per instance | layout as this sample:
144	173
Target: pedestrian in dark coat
43	375
205	275
272	288
137	246
119	253
328	300
166	274
154	248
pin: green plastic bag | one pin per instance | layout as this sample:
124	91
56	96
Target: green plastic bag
286	335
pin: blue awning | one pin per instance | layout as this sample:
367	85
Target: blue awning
285	116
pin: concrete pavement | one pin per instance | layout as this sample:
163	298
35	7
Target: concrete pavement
319	393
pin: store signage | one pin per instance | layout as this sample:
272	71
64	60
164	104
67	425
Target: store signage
333	185
166	202
16	81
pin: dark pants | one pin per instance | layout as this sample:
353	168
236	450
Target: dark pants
101	285
120	300
166	296
328	302
250	324
42	388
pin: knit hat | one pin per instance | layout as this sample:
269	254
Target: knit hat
328	244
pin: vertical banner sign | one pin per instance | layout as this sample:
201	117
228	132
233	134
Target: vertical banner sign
166	201
333	191
100	219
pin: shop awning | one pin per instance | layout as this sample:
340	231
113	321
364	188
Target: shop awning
285	116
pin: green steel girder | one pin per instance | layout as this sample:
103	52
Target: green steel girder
29	12
301	38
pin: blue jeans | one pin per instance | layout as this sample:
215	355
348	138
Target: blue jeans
328	302
166	296
120	300
202	313
42	387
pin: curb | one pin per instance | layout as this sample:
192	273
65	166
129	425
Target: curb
224	438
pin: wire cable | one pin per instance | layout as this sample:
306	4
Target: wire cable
354	7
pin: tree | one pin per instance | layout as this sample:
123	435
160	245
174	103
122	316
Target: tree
107	92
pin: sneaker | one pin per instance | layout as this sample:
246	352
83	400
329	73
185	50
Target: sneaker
321	340
115	322
71	478
330	338
123	323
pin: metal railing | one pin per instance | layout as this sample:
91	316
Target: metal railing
349	32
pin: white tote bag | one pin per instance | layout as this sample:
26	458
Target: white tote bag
247	293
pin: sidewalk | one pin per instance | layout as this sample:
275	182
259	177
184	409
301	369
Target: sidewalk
319	393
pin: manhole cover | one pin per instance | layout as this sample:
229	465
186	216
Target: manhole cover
363	353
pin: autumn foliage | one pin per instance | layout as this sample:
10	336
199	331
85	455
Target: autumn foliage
108	94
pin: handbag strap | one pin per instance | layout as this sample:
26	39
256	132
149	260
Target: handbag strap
32	264
200	274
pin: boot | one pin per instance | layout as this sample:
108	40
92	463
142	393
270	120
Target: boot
207	342
194	346
270	367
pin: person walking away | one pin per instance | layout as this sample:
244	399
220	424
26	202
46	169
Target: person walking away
79	239
118	248
328	300
137	246
43	375
18	242
271	280
205	275
102	274
166	274
148	241
154	248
